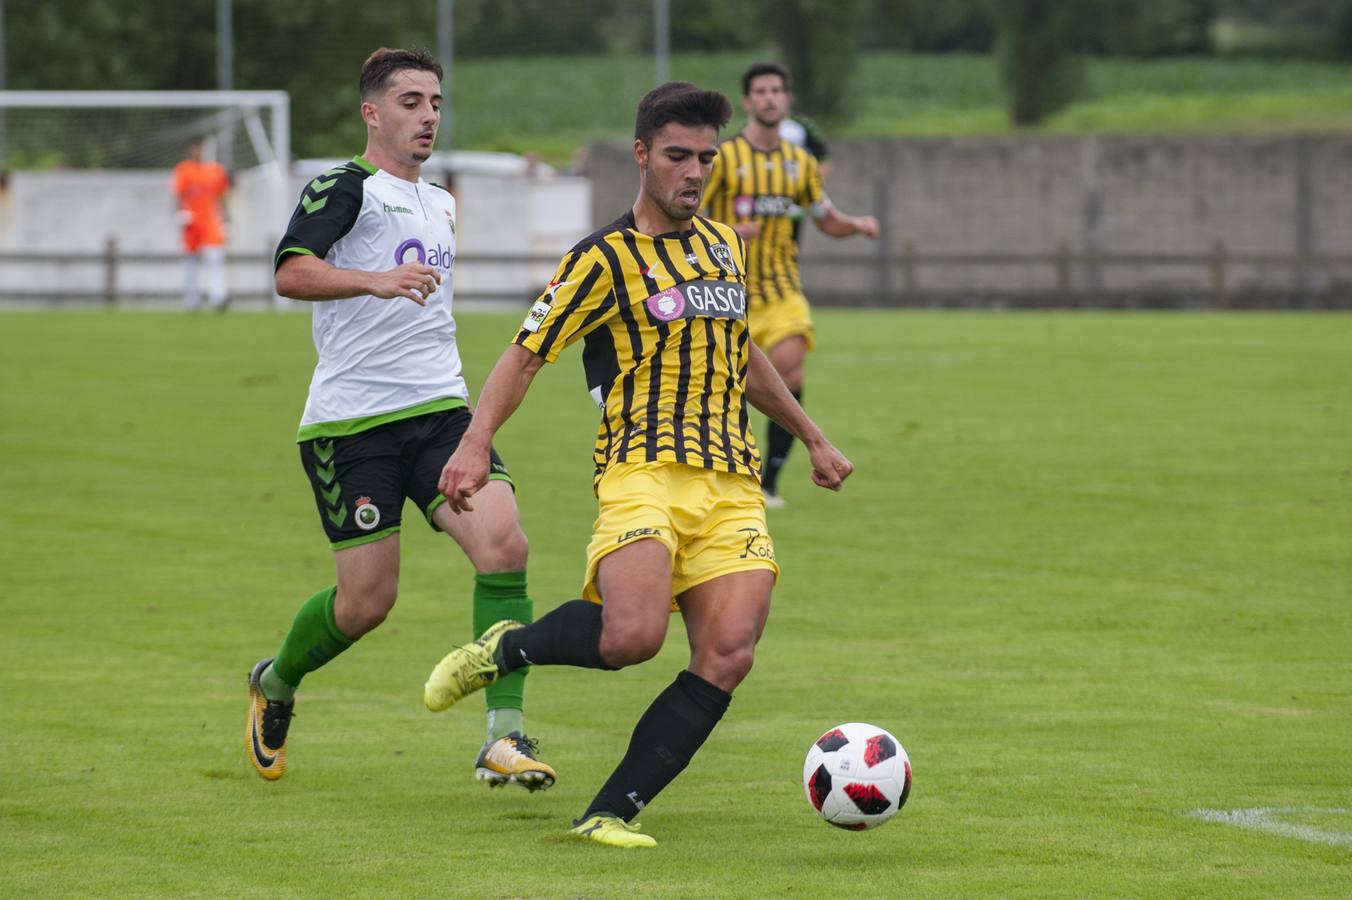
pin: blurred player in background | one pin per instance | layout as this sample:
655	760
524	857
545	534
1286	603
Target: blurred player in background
760	185
659	299
804	132
199	186
372	245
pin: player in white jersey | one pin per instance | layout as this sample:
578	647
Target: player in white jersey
373	245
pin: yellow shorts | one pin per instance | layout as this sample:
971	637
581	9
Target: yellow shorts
711	522
771	321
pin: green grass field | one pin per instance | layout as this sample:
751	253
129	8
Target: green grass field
499	103
1095	571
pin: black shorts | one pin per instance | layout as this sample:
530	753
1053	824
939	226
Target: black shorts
360	480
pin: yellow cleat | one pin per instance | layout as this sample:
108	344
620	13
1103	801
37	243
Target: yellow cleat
465	669
611	831
265	735
511	760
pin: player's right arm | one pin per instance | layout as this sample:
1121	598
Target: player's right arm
328	209
303	277
467	469
579	299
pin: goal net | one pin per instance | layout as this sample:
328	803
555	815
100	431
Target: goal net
141	129
90	169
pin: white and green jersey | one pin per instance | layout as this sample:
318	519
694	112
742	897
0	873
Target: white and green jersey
379	360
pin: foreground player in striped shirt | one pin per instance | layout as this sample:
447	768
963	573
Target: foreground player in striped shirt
659	300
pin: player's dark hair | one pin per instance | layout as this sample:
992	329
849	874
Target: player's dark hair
380	67
680	102
763	68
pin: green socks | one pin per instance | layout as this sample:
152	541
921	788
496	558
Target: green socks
498	596
313	640
503	721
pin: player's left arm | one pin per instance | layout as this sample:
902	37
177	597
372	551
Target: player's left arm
766	391
830	220
837	224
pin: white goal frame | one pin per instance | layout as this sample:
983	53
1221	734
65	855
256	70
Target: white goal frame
274	155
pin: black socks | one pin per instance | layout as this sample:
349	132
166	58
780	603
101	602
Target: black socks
569	635
664	740
776	452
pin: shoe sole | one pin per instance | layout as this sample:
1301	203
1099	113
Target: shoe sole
531	781
268	768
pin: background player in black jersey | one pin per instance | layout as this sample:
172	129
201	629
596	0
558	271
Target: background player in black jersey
659	298
761	184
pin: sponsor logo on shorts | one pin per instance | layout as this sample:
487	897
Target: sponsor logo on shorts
367	514
758	544
717	299
639	533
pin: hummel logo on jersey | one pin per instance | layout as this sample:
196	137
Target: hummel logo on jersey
398	209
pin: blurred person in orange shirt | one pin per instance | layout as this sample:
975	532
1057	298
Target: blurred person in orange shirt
199	186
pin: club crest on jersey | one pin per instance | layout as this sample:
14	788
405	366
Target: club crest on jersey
667	305
723	256
450	220
791	168
368	514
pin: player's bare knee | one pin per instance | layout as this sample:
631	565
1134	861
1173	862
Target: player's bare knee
361	611
726	665
513	550
627	644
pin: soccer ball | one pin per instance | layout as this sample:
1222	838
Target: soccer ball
857	776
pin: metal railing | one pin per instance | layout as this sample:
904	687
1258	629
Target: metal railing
1067	278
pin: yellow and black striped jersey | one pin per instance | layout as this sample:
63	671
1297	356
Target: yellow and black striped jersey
775	189
666	347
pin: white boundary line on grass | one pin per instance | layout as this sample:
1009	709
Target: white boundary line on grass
1260	819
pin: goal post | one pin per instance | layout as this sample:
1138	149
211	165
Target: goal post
217	113
90	169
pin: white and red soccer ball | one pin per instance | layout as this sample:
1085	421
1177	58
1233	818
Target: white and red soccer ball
857	776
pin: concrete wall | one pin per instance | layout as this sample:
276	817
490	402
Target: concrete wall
71	215
1203	219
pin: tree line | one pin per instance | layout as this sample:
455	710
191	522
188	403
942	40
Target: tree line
311	48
